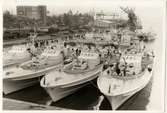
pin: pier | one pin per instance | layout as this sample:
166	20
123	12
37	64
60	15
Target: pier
12	104
23	41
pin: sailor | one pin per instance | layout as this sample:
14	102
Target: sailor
74	55
108	72
60	70
118	71
35	60
144	47
63	54
65	45
108	52
112	68
105	66
72	50
149	68
84	64
153	54
124	70
100	57
36	44
77	52
47	43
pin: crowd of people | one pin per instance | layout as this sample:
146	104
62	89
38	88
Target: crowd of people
108	54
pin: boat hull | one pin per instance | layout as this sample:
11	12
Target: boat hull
14	84
117	101
10	86
66	86
18	73
21	79
135	85
57	93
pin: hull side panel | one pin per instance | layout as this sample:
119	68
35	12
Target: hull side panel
13	86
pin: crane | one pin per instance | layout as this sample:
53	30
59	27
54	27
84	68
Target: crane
132	22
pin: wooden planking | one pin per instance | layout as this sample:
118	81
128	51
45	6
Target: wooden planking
11	104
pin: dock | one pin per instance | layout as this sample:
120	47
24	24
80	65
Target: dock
24	40
12	104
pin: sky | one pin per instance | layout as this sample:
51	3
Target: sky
61	6
142	8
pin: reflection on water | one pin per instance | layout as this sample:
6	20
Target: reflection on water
140	100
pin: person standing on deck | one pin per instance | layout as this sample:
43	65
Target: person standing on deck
118	71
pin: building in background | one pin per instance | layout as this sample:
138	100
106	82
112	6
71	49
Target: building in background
33	12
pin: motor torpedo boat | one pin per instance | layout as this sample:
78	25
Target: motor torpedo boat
122	80
24	75
18	54
73	76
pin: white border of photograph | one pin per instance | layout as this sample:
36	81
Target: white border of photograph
150	3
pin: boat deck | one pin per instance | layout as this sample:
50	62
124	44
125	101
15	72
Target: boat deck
63	79
115	86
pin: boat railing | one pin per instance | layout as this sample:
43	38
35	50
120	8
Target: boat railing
129	76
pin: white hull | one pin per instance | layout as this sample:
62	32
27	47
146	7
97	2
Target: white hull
67	84
58	93
117	101
10	86
18	73
126	88
16	78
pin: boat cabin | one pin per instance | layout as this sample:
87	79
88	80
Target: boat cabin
51	52
131	63
48	58
91	58
18	49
